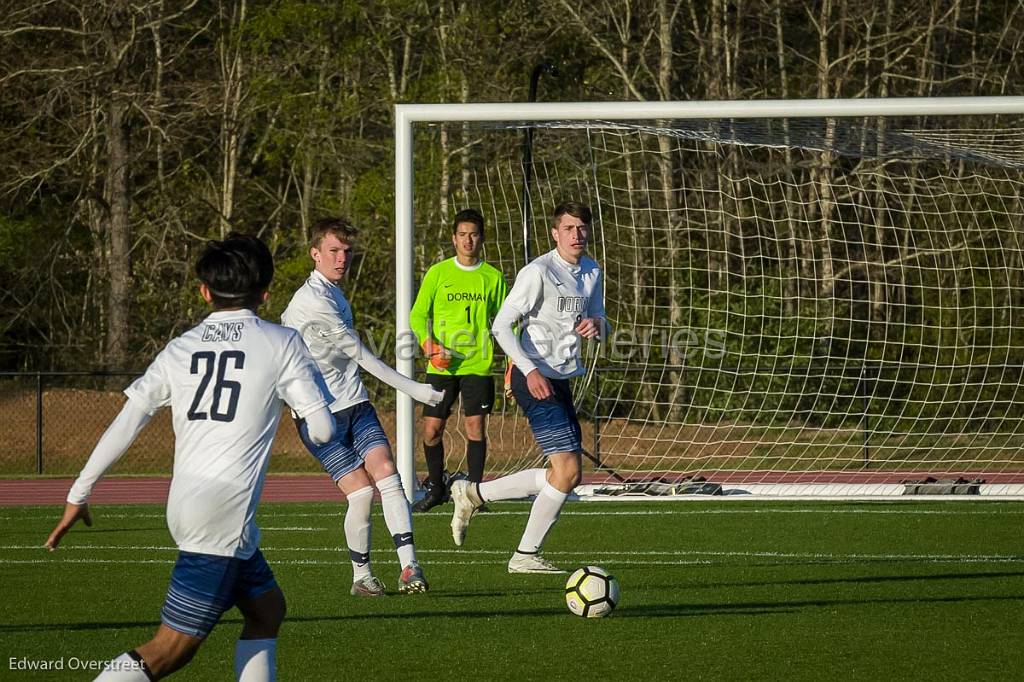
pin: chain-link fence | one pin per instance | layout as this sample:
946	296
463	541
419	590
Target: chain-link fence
51	421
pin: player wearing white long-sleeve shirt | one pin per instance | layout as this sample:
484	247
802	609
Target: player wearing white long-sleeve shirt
556	301
359	456
224	381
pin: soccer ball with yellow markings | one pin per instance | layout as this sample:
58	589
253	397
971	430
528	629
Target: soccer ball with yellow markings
591	592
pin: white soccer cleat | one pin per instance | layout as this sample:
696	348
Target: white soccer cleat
531	563
467	501
370	586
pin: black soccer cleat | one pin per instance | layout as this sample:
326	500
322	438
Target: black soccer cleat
435	495
427	502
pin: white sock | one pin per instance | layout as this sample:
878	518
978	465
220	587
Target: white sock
124	668
357	531
514	486
398	517
256	660
543	515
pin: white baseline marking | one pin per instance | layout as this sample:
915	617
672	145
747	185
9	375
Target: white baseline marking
626	555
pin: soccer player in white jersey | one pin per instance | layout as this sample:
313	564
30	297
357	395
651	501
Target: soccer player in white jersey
557	300
224	381
360	455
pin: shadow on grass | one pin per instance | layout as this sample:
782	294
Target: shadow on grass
100	531
791	606
761	608
867	579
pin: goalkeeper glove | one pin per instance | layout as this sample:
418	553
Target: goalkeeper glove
508	383
437	354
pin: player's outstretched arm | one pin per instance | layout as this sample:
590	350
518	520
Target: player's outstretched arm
350	344
72	513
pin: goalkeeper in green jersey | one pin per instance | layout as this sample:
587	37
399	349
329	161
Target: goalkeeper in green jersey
452	319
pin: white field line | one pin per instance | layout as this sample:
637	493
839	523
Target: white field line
296	528
635	556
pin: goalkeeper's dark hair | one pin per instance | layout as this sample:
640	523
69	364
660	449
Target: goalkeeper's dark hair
469	215
237	271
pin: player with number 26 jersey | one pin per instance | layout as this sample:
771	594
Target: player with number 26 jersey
224	380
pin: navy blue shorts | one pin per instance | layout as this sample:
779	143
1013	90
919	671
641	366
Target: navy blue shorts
358	431
553	421
204	586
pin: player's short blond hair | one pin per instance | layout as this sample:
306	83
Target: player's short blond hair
338	226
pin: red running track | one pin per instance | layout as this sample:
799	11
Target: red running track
319	488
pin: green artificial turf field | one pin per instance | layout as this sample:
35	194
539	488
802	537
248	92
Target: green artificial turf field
710	589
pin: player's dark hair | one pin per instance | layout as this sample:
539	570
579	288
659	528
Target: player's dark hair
576	210
469	215
237	271
338	226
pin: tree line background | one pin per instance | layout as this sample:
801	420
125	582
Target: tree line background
132	132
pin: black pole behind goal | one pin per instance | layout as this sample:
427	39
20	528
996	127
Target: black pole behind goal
545	66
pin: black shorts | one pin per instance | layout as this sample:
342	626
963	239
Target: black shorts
477	394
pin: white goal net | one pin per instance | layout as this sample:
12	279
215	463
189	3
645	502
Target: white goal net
814	305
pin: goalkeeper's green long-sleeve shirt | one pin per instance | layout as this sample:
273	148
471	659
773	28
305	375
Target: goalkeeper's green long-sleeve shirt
455	305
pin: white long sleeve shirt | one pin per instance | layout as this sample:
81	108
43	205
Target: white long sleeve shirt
547	301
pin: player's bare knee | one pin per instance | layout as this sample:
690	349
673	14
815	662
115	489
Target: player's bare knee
354	480
380	464
476	428
566	472
575	478
433	431
569	480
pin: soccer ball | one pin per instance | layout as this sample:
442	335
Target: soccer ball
591	592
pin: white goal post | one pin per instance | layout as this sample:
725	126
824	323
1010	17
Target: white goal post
658	116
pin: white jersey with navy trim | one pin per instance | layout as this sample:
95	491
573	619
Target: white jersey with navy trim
224	381
549	298
320	305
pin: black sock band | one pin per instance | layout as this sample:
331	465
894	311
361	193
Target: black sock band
476	455
434	454
134	655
